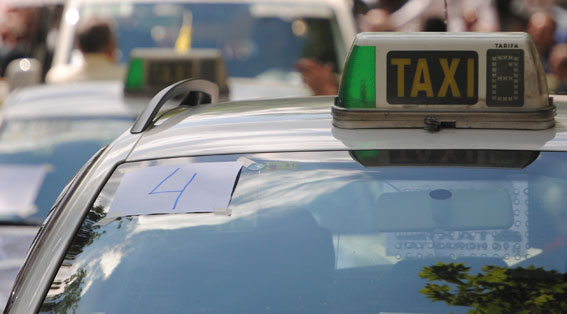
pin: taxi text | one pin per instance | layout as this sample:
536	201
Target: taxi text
432	77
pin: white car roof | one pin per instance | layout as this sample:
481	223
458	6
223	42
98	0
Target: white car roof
305	124
89	99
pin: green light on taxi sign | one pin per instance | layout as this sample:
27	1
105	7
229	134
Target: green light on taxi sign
364	154
135	77
358	85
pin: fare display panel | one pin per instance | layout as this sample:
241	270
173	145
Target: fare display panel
505	78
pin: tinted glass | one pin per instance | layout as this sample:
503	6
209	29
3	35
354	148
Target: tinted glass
339	232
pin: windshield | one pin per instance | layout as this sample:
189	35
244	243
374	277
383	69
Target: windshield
255	39
39	156
340	232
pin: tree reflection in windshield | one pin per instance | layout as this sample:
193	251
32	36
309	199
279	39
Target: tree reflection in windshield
68	299
497	289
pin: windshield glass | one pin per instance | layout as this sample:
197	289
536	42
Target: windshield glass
341	232
39	156
255	39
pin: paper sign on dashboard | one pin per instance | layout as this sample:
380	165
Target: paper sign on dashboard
168	189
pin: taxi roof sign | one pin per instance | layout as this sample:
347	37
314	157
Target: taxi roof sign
431	80
152	69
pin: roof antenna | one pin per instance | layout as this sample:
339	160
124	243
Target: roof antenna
446	18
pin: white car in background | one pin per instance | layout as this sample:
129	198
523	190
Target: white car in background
260	41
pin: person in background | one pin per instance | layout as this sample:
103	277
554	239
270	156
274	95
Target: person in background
457	15
375	20
97	43
557	79
320	76
541	27
12	39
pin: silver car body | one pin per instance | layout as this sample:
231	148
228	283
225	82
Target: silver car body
287	125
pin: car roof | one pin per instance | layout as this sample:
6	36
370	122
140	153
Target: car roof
89	99
305	124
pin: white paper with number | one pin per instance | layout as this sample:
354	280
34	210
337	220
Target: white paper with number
169	189
19	185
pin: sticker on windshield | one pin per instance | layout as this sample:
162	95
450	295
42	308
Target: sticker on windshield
169	189
19	185
511	243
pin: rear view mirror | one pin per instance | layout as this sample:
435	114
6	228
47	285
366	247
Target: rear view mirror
23	72
444	210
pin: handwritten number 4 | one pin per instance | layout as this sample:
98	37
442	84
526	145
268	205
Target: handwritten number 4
179	192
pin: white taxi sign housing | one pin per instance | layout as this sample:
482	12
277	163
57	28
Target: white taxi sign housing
433	80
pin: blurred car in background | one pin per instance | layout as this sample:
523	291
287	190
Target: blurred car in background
46	134
28	28
260	41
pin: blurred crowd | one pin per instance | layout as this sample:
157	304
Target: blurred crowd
28	29
544	20
31	32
